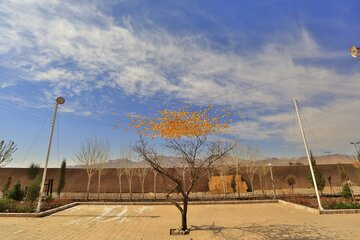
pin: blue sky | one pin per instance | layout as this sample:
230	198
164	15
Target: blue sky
122	57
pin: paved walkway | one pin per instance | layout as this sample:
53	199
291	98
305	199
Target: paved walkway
244	221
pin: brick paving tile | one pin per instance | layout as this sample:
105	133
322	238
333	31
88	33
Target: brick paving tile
245	221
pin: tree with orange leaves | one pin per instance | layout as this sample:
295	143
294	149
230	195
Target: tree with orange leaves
186	134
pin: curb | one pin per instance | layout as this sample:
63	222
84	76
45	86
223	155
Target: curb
290	204
339	211
169	203
40	214
320	212
298	206
61	208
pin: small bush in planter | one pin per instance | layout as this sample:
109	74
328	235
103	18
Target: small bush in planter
346	191
16	193
23	209
341	205
6	188
7	205
10	205
48	198
33	190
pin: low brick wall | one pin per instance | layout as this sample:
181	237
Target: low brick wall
76	179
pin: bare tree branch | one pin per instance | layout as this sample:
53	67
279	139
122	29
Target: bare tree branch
195	158
90	152
6	152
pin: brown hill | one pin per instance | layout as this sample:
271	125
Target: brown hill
173	161
320	160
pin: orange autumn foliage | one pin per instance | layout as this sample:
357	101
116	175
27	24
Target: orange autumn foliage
181	123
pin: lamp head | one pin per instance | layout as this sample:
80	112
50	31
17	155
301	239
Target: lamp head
60	100
355	51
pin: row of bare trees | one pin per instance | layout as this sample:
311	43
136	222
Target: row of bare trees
196	158
94	154
244	159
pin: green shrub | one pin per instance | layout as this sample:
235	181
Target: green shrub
16	193
33	171
320	180
346	191
61	184
342	205
48	198
33	190
7	205
23	209
6	188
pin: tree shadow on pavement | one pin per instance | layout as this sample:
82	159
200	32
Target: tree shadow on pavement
272	231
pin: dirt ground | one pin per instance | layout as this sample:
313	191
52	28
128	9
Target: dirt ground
231	221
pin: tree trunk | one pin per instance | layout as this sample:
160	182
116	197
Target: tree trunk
184	215
88	187
238	181
142	190
262	185
154	186
120	190
252	187
99	184
224	184
130	192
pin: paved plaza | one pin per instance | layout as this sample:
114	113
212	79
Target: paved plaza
231	221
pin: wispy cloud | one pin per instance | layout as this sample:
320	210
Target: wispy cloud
77	49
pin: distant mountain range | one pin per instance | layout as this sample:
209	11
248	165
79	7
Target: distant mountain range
325	159
171	161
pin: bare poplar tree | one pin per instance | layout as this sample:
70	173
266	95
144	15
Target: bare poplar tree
87	156
126	167
129	172
198	156
237	153
6	152
253	154
125	155
142	173
119	172
104	154
263	170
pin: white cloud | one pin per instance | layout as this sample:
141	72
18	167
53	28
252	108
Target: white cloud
144	61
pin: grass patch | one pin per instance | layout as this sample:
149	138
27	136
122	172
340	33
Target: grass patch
327	202
12	206
341	205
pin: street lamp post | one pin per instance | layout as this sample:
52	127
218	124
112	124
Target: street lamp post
308	154
59	100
